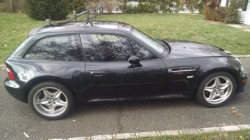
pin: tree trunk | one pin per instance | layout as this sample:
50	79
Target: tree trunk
12	6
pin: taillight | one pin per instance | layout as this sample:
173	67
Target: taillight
11	74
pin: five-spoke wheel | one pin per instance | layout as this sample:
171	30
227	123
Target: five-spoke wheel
51	100
216	89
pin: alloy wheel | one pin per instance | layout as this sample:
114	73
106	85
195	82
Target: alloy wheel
218	89
50	101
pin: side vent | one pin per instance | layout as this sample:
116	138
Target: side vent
182	69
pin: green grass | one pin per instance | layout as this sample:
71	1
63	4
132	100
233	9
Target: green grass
14	28
238	135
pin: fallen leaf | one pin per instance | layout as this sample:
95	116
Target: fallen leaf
5	45
74	120
26	135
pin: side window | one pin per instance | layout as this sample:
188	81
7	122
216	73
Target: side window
140	51
61	47
103	47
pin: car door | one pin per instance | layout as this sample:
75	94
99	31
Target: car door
143	80
105	54
110	75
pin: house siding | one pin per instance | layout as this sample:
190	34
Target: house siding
245	15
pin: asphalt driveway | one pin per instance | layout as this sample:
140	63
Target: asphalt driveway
118	117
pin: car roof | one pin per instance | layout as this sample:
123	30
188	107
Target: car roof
76	26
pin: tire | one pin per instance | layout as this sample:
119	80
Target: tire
210	94
51	100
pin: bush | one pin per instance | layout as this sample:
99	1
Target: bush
40	10
141	8
221	13
218	14
232	16
128	9
78	5
153	6
147	8
5	6
193	5
18	6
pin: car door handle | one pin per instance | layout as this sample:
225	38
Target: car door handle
97	73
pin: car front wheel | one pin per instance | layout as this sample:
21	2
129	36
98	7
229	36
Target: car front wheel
216	89
51	100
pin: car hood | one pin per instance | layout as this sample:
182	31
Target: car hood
190	49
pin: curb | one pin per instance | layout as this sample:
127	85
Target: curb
124	136
2	67
243	56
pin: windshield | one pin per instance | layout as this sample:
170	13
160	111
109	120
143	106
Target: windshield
149	41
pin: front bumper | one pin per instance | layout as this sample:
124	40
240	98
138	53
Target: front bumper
15	89
242	81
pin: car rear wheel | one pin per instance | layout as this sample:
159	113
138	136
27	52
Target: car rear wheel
51	100
216	89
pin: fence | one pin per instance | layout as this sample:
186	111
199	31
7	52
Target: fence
97	11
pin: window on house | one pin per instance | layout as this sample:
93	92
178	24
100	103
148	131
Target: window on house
227	3
245	4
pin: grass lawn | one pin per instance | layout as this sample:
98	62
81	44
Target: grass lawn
238	135
14	28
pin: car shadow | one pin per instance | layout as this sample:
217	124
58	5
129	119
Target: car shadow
98	107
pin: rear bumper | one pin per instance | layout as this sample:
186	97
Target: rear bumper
15	89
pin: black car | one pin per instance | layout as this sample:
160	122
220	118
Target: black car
60	64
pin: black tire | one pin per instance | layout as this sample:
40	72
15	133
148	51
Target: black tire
66	91
199	94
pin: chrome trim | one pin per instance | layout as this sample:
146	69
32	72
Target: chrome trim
191	76
182	69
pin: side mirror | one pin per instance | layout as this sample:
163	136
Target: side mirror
134	60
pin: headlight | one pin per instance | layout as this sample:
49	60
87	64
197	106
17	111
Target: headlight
243	72
238	60
235	57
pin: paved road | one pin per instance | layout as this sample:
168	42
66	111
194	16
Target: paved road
117	117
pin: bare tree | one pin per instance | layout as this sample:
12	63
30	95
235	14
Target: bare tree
93	3
108	4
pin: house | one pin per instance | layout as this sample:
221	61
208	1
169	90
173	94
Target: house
244	13
132	3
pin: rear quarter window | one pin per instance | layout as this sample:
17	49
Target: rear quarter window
61	47
21	49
